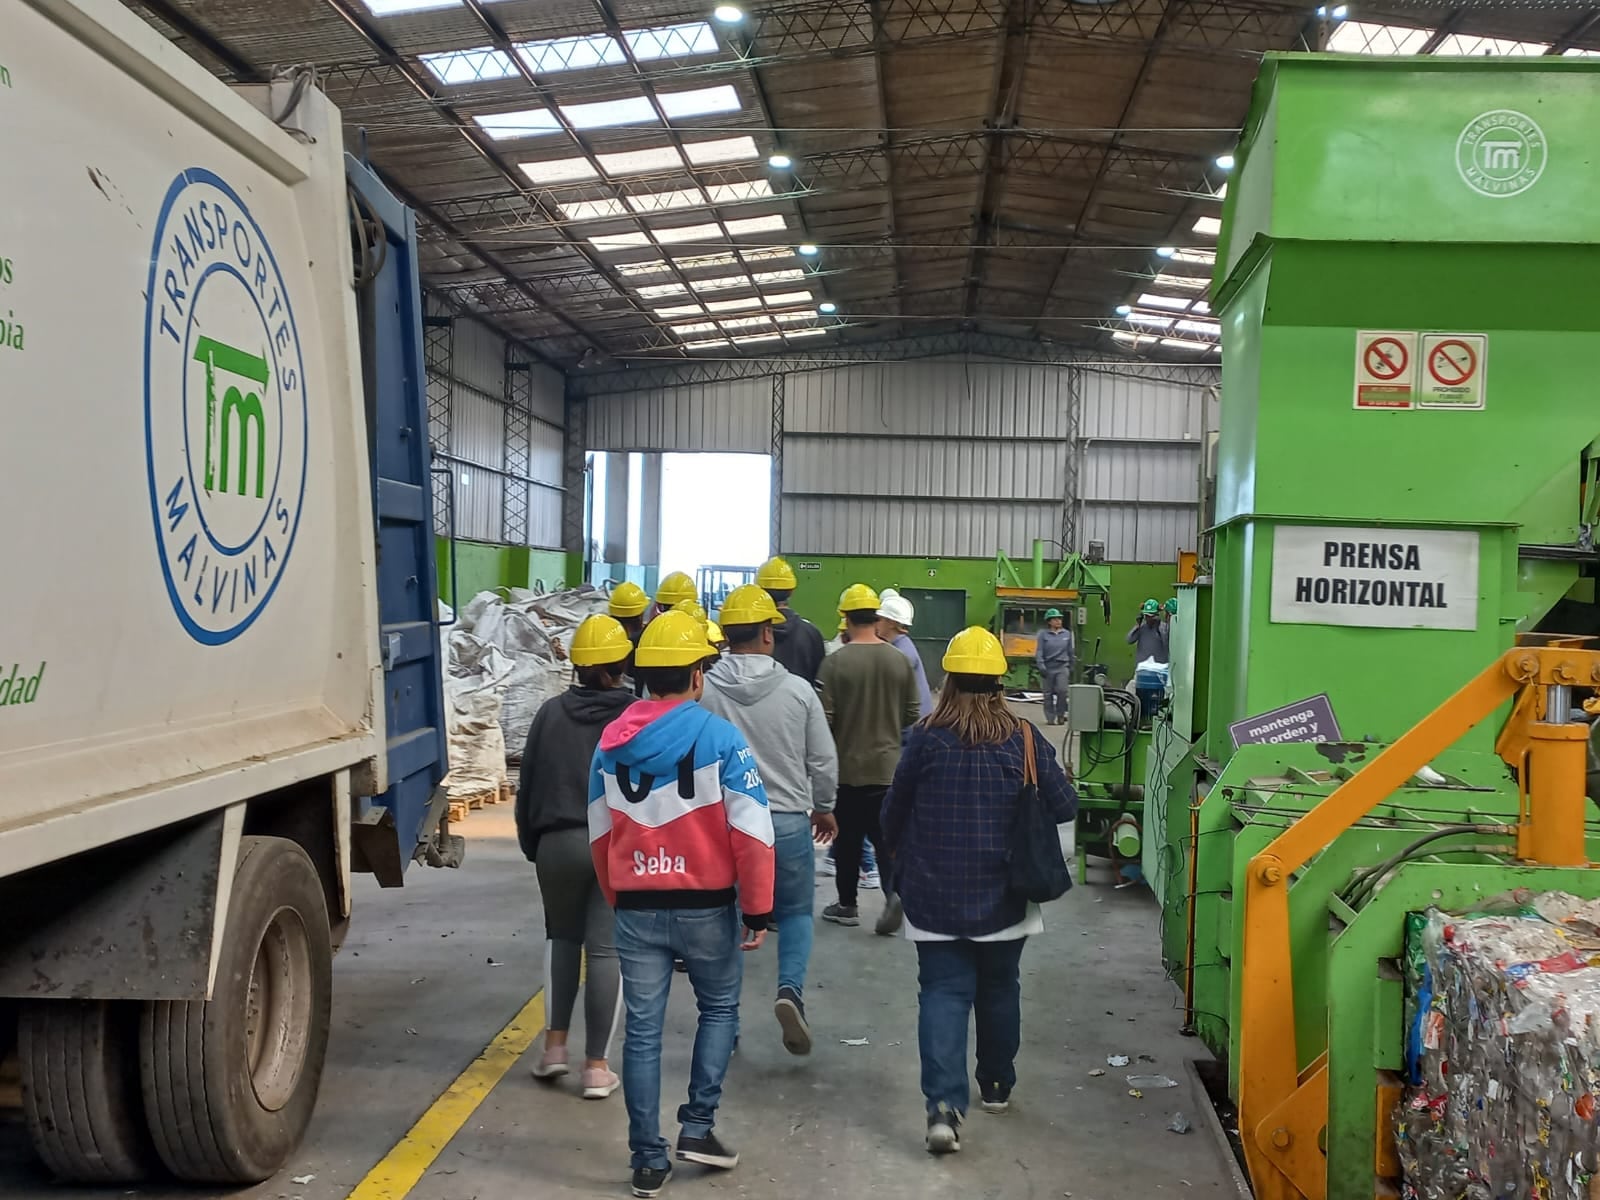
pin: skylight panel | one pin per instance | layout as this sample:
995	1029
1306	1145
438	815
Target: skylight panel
655	266
618	241
1472	47
733	193
651	158
671	41
603	114
779	276
1152	300
686	233
749	225
1200	306
1137	339
699	102
1184	344
391	8
558	170
1208	226
680	310
733	305
529	122
1364	37
707	344
1168	280
752	338
593	210
1150	319
1579	52
469	66
550	56
766	253
788	318
790	298
1206	327
648	202
814	331
722	150
657	291
695	262
1206	258
745	322
696	327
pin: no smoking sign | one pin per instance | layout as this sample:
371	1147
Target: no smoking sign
1386	368
1452	372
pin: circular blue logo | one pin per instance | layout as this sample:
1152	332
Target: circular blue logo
224	407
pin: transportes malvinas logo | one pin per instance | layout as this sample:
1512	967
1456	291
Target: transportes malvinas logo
1501	153
225	409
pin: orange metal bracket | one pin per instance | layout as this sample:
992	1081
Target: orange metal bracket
1268	1073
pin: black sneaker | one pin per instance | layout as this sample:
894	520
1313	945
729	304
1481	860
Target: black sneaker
996	1098
648	1181
842	914
708	1151
791	1013
944	1130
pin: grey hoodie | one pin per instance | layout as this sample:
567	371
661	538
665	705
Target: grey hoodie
782	719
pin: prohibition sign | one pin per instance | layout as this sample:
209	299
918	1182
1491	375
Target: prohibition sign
1386	358
1452	363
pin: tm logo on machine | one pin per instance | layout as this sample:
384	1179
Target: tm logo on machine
1501	153
225	409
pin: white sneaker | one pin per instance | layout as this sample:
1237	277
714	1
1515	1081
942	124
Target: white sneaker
827	868
870	881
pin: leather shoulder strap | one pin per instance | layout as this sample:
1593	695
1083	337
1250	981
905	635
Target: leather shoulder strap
1030	767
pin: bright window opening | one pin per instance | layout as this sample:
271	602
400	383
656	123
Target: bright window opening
672	41
1362	37
722	150
469	66
1208	226
700	102
687	233
553	55
603	114
749	225
632	162
1477	47
559	170
593	210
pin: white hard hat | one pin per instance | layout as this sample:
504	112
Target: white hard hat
897	608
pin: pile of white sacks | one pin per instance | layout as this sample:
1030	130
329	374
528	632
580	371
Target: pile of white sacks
505	655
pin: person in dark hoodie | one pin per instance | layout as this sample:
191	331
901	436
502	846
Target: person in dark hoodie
781	717
553	829
797	643
682	843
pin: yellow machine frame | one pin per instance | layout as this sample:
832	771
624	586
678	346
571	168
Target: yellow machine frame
1283	1110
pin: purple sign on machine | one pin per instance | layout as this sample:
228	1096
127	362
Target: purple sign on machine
1309	720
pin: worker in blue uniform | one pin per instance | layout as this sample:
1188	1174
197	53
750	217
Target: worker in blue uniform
1053	656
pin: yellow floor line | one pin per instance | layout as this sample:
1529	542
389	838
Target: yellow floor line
404	1166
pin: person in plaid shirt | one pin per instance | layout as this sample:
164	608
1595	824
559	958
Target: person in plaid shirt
947	823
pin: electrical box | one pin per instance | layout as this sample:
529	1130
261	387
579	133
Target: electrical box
1085	707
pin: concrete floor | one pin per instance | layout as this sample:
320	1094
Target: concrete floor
433	971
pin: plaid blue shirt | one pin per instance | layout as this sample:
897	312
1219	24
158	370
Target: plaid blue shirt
947	822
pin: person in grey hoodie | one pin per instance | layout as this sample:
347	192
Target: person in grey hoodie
552	816
781	717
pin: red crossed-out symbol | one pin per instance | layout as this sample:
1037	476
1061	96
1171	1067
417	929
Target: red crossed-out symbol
1452	362
1386	358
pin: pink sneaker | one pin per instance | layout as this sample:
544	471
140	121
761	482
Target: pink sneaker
599	1083
552	1064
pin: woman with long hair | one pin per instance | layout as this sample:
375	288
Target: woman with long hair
947	824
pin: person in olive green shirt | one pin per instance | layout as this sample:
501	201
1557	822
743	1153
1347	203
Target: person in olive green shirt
870	696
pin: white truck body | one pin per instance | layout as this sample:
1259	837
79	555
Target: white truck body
189	616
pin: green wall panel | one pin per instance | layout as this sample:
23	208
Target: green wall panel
483	567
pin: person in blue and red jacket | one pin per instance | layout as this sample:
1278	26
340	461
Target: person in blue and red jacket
682	841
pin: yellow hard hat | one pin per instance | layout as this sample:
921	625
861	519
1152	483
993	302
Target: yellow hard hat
599	640
975	651
628	600
843	624
714	634
859	596
750	605
675	589
776	575
674	639
692	607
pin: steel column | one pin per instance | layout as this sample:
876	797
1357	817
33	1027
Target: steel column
777	464
518	454
574	468
438	340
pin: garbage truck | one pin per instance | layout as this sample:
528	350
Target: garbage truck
220	696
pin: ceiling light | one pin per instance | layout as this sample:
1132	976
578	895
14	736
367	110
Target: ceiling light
1124	309
1225	162
779	162
827	306
1167	251
728	14
806	250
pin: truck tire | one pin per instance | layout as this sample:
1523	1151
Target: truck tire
80	1090
230	1082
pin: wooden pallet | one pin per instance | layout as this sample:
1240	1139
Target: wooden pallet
459	808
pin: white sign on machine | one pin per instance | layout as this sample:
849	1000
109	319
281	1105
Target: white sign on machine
1375	578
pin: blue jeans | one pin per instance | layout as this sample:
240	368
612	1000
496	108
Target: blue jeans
959	979
793	896
707	940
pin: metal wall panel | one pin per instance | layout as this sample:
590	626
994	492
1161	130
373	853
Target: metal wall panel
1135	534
544	517
917	528
549	390
544	463
733	416
478	357
478	432
1128	471
479	506
938	397
1130	405
913	467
